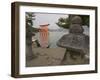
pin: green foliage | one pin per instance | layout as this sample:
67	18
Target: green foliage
29	22
65	22
29	18
85	19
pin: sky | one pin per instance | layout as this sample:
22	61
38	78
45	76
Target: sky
47	18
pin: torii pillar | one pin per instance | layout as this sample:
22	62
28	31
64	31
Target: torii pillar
44	35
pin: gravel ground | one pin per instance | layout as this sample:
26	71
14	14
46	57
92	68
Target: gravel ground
53	57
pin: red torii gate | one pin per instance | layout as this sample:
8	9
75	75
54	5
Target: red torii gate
44	35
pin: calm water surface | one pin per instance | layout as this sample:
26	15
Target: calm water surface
55	35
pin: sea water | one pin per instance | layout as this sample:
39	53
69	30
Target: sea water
55	35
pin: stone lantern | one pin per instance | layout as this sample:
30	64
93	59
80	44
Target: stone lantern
76	42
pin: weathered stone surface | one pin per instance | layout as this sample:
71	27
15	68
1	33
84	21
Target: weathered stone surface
76	20
76	28
75	42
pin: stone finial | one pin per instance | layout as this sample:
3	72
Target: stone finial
76	20
76	25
